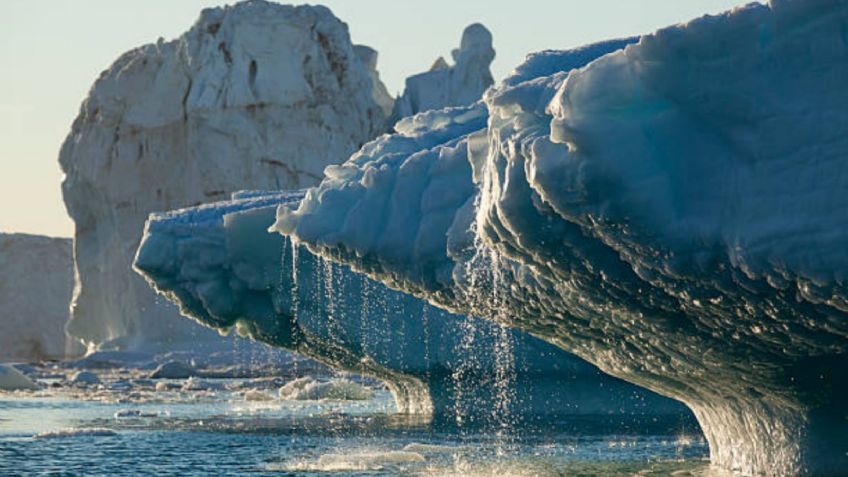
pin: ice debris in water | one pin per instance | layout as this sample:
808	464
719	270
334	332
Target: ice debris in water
361	461
173	370
84	378
76	432
134	413
310	389
257	395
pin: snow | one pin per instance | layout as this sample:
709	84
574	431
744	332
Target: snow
460	84
256	95
671	212
36	278
222	266
13	380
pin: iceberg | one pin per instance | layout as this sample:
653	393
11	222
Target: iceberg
36	279
255	95
460	84
224	269
671	212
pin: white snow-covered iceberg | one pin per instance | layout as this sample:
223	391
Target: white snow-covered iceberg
224	269
672	212
36	279
256	95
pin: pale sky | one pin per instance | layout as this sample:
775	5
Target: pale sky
52	51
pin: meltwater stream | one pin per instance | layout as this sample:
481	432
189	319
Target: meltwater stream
132	424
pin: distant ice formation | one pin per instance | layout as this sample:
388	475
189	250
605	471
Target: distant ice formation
460	84
672	212
224	269
13	380
368	57
256	95
36	279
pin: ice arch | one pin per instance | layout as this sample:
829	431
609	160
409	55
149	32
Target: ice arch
224	269
673	212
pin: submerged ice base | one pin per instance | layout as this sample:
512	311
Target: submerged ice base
224	269
673	212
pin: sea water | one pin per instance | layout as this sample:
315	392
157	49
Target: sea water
131	425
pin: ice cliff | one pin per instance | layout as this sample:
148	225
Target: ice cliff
224	269
256	95
36	278
368	57
672	212
446	85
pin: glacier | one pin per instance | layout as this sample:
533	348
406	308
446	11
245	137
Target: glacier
255	95
36	279
671	212
222	266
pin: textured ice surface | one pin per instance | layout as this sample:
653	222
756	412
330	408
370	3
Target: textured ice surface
36	279
672	212
224	268
460	84
311	389
256	95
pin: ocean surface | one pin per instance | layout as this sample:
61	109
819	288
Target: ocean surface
130	425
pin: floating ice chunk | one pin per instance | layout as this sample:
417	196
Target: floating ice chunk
257	395
310	389
84	378
196	384
431	448
134	413
162	386
173	370
356	461
76	432
13	380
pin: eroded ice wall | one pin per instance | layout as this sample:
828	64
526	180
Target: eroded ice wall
256	95
673	212
224	269
36	278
